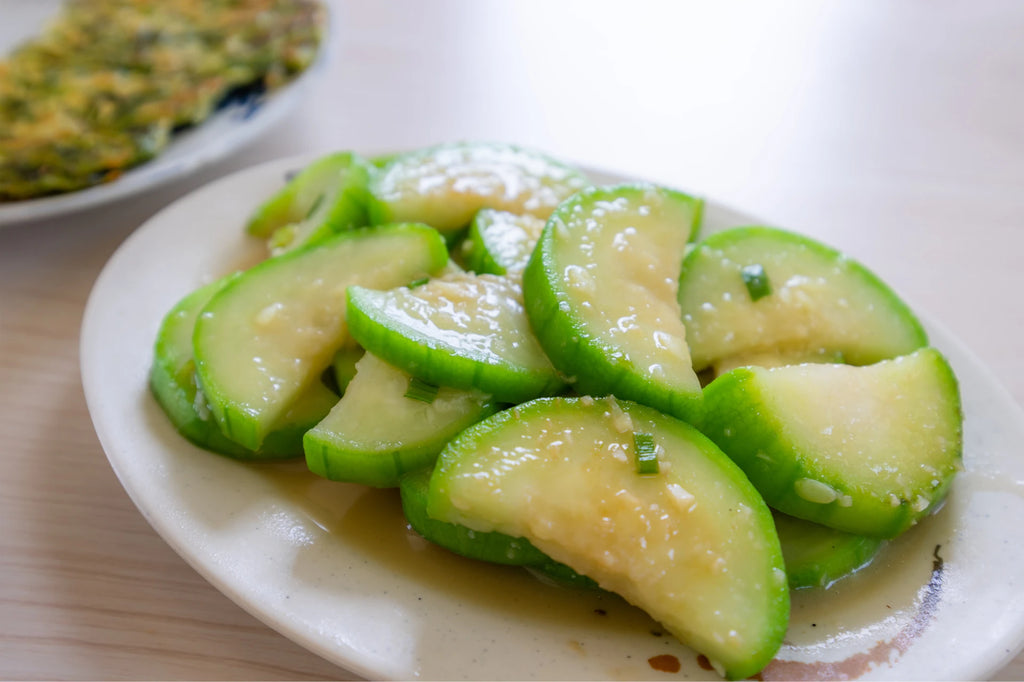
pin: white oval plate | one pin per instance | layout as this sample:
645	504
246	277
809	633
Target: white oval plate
333	567
229	129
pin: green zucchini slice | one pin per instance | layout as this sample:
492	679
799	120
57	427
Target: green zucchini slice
867	450
461	330
382	428
325	197
808	300
175	387
269	334
444	186
694	545
600	292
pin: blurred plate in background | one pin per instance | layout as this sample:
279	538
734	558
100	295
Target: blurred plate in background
236	123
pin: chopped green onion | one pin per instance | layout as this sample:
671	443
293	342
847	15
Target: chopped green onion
316	204
282	237
417	282
756	280
421	390
645	454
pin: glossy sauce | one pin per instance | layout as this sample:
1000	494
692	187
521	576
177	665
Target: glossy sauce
882	607
371	521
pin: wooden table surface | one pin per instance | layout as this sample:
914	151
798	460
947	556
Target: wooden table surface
894	131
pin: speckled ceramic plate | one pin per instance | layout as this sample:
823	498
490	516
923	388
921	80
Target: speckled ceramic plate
333	567
235	124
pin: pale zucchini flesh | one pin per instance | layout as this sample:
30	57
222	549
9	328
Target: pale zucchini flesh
492	547
343	365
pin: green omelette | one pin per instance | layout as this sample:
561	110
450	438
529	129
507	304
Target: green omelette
108	82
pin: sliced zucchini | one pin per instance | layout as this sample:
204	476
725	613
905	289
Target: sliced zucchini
867	450
499	241
446	185
174	384
694	545
325	197
600	292
817	556
270	333
806	299
383	427
461	330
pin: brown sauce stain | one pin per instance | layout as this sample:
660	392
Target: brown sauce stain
666	663
859	664
704	663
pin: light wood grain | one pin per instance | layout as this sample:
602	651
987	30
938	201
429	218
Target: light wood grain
892	130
